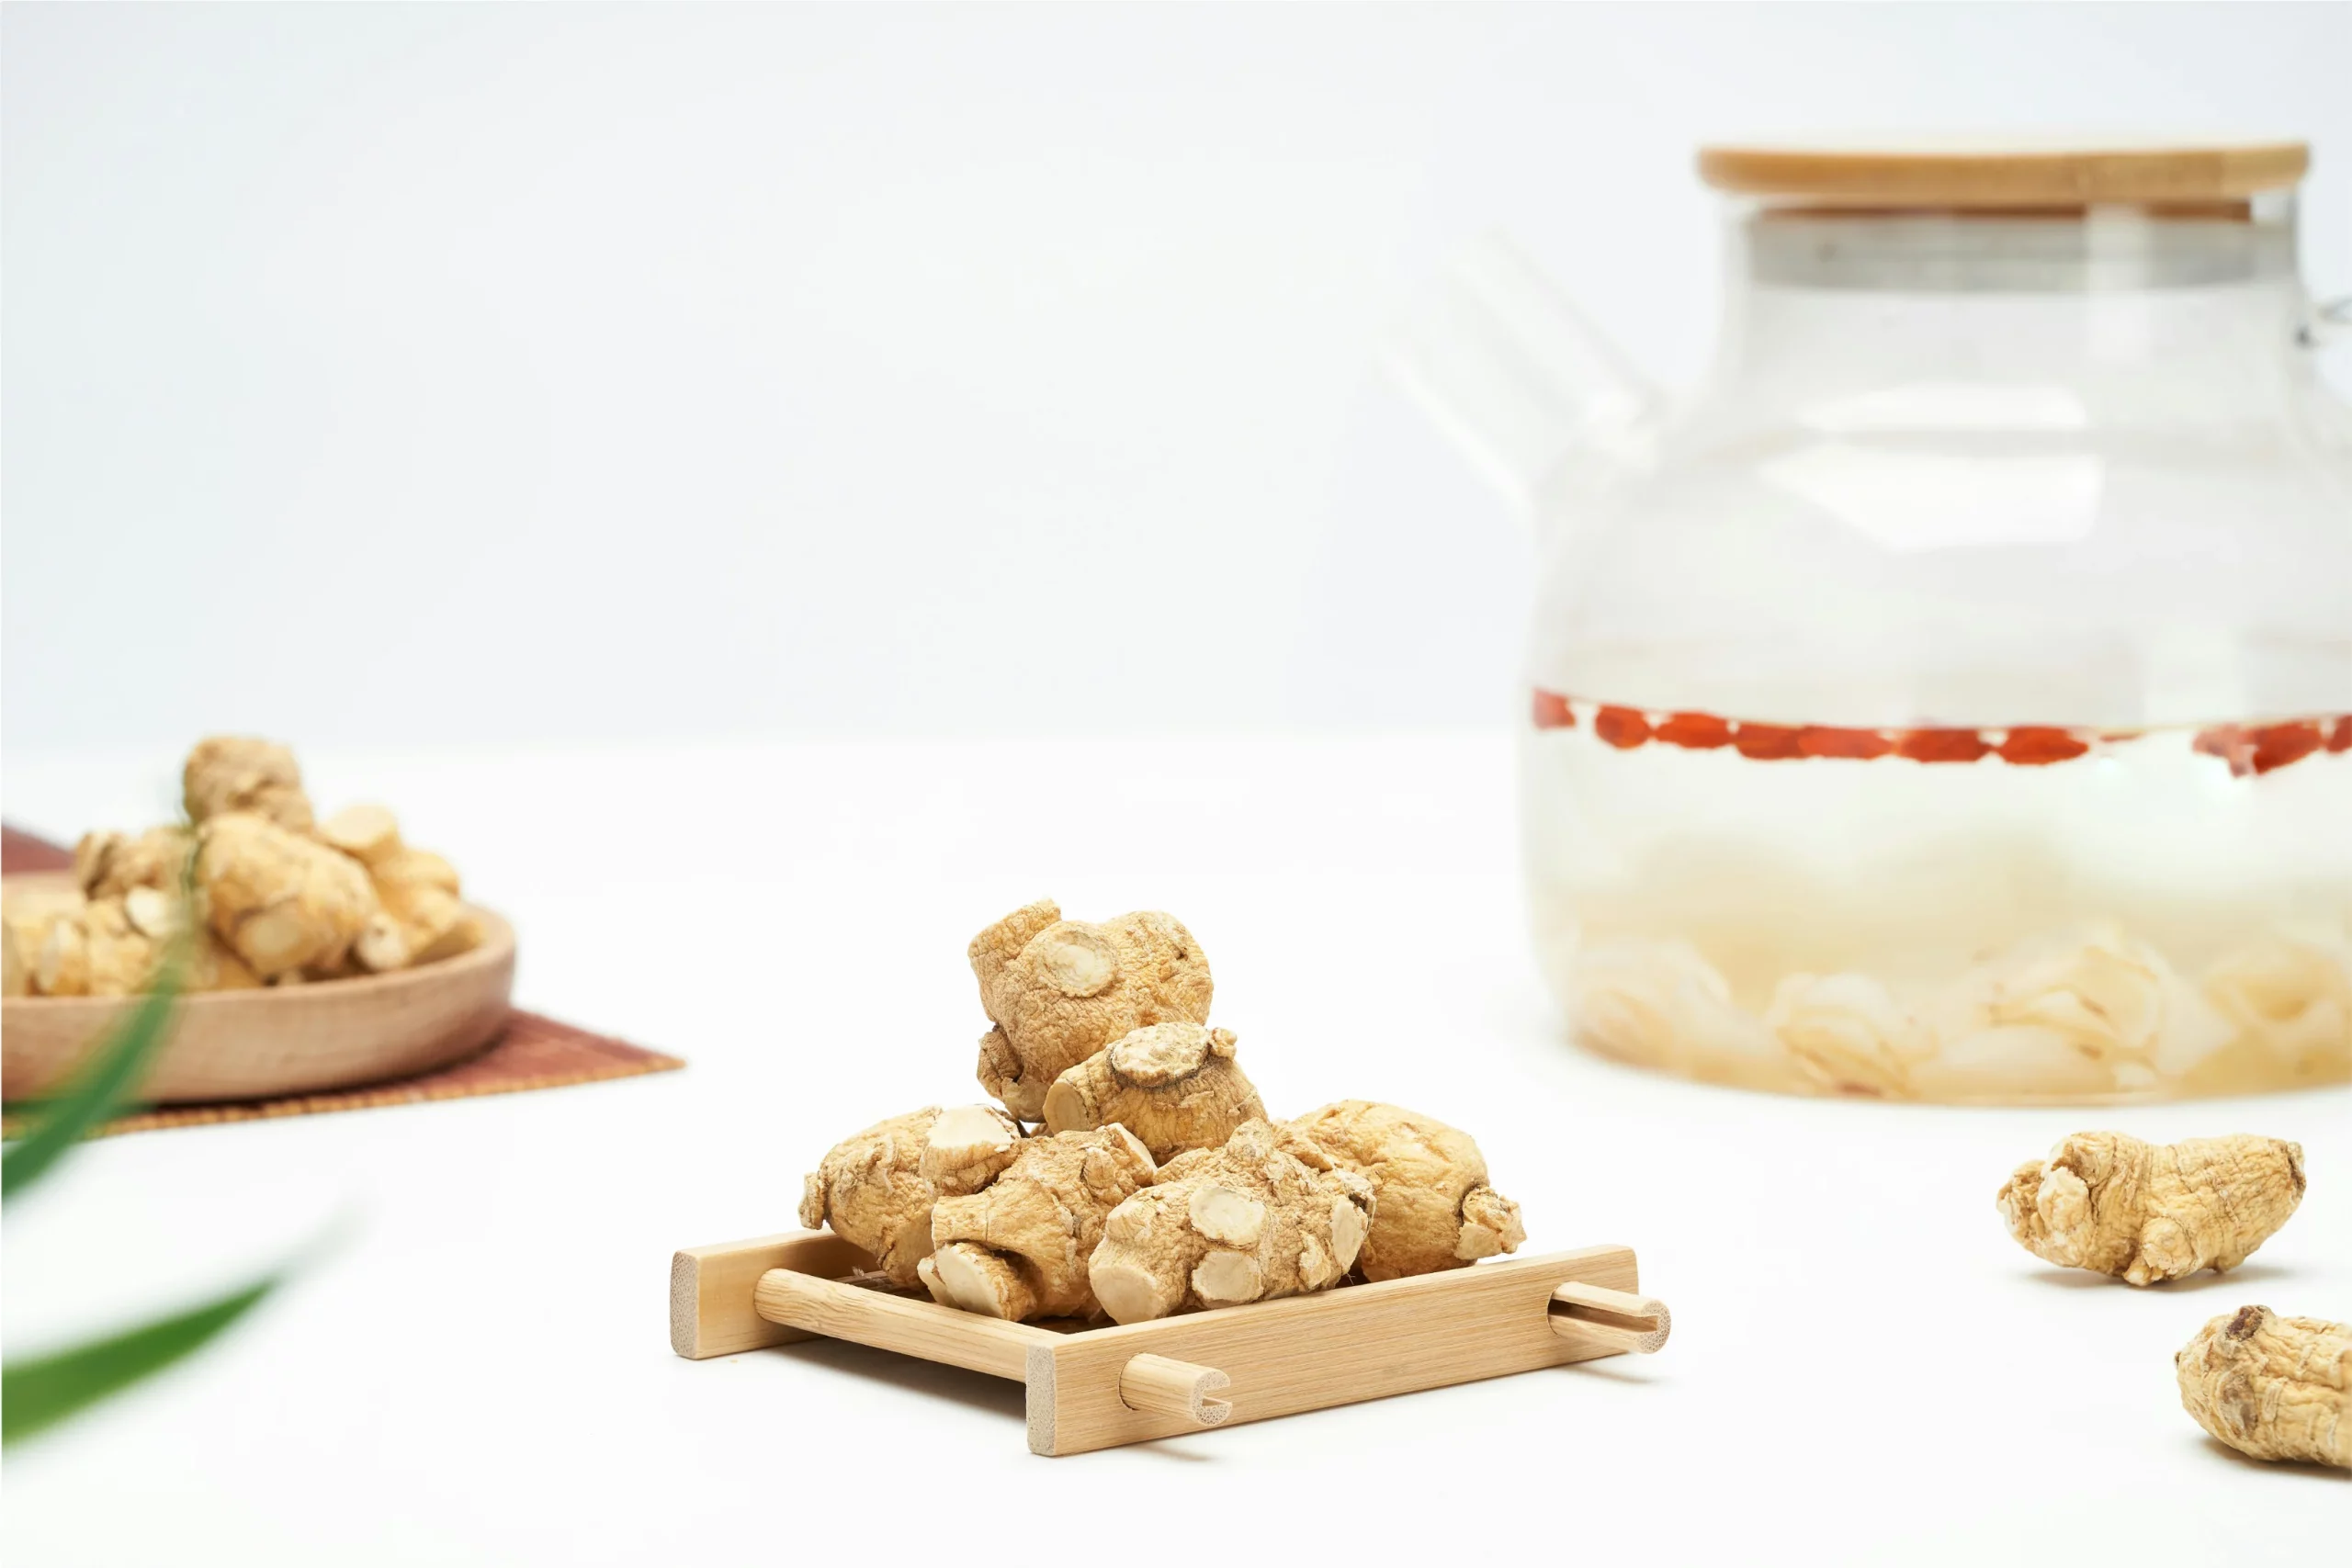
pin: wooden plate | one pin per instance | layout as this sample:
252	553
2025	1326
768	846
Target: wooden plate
262	1044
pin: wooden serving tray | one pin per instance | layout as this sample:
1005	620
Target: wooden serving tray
260	1044
1098	1387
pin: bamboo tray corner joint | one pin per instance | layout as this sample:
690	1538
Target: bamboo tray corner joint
1097	1388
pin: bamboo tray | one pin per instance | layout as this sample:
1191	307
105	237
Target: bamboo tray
262	1044
1099	1387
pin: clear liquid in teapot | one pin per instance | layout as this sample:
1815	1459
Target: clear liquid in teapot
1947	913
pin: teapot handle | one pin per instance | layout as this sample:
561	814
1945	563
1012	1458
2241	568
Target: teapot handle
1506	365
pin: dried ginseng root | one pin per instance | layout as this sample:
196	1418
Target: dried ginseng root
284	902
1057	991
2272	1387
27	914
288	898
97	951
1175	1086
2148	1212
236	773
108	865
1267	1215
874	1188
421	919
1017	1248
1433	1209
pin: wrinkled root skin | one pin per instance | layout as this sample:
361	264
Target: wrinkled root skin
1265	1216
27	916
2150	1213
430	924
968	1147
2271	1387
1017	1248
110	865
870	1190
282	902
1058	991
1434	1208
367	833
233	772
1175	1086
96	952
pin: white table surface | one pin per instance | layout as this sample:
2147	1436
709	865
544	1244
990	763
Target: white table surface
1864	1367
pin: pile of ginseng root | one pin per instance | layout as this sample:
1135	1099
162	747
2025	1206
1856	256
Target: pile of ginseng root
1128	1169
281	896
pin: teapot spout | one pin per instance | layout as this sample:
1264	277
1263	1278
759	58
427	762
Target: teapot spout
1514	374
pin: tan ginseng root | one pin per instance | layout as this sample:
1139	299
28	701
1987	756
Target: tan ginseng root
422	920
285	903
1265	1216
108	865
27	913
369	834
874	1190
212	964
111	947
1017	1248
2148	1212
96	951
1435	1210
234	772
2272	1387
20	939
1174	1085
1057	991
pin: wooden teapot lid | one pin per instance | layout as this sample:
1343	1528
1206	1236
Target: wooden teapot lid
1997	172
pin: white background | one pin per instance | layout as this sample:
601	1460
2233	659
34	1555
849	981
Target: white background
549	418
472	374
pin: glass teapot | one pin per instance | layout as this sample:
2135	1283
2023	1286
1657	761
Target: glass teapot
1951	700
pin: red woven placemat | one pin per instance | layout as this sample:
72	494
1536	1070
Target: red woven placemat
532	1052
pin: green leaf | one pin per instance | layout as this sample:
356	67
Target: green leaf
37	1393
102	1088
